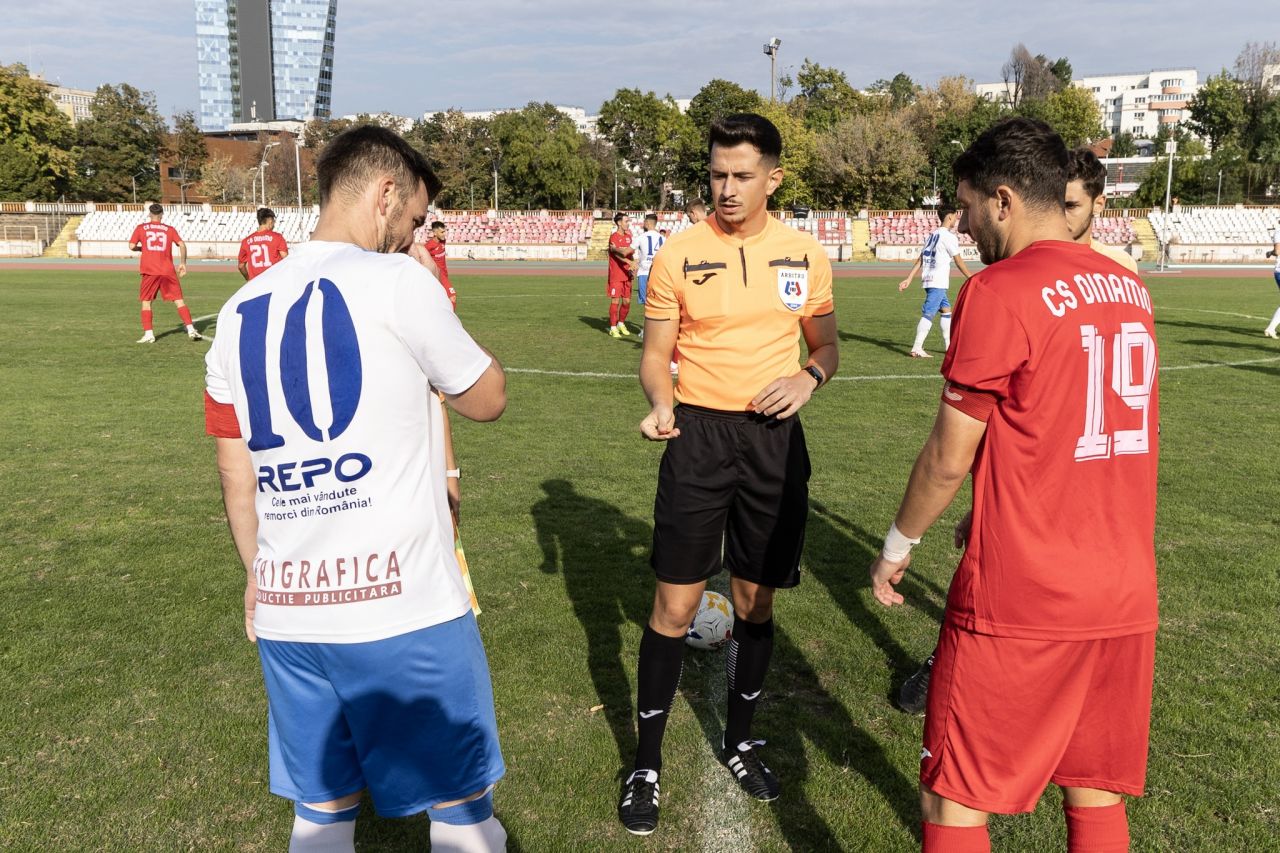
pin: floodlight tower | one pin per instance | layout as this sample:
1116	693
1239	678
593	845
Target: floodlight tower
771	51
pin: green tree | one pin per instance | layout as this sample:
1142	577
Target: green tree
454	145
825	96
1190	169
901	90
317	132
35	138
871	161
1124	145
120	143
1074	114
188	151
1061	71
720	98
651	136
1218	110
799	153
540	157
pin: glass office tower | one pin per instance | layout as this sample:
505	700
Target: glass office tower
264	59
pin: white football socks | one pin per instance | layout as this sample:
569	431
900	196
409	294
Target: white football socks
1275	323
944	322
487	836
308	837
922	332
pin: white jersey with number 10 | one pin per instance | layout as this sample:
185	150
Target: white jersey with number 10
330	361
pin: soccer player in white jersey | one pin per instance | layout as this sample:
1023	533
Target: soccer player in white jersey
1274	253
935	259
327	366
646	246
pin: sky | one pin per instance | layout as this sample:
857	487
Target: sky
494	54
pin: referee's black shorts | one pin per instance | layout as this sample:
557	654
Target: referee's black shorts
737	480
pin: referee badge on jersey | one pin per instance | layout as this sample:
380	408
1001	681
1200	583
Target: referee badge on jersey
793	282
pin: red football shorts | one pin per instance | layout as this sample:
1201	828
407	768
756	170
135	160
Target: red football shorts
166	285
1006	717
619	288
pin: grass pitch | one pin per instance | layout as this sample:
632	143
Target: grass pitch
133	707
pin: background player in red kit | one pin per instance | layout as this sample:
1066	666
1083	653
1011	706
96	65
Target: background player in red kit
621	271
435	248
155	241
1044	665
264	248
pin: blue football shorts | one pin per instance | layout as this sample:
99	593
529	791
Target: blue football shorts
642	285
1277	280
935	299
410	718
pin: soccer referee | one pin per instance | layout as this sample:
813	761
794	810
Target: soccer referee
734	293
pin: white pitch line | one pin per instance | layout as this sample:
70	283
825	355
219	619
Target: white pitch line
726	821
1247	316
886	377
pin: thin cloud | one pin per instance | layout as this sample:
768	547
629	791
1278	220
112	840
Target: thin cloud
500	53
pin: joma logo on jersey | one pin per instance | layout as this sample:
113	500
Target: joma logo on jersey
292	476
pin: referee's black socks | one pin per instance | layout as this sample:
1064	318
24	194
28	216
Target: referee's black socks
747	663
658	677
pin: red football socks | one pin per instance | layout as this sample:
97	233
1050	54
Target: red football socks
185	313
146	321
956	839
1100	829
613	314
623	310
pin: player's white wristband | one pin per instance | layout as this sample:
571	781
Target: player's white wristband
897	545
455	473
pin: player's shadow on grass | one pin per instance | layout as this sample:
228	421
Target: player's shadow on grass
837	554
798	714
200	325
602	553
1211	327
1262	343
892	346
601	324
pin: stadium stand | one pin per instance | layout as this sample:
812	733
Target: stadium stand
1217	234
913	227
199	225
544	228
1218	225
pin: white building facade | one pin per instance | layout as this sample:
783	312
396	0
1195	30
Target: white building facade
1139	103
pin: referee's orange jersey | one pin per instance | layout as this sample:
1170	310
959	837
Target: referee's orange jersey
739	304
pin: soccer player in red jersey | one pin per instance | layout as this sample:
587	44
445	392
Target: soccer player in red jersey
155	241
264	248
621	271
1044	665
435	248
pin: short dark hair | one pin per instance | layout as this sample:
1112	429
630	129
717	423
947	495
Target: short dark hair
265	213
945	210
155	210
1021	153
356	155
436	224
755	129
696	204
618	217
1083	165
651	217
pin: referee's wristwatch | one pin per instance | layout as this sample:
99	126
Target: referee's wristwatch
816	374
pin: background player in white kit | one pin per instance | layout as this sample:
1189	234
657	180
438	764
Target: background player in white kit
939	250
1274	253
646	246
328	366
